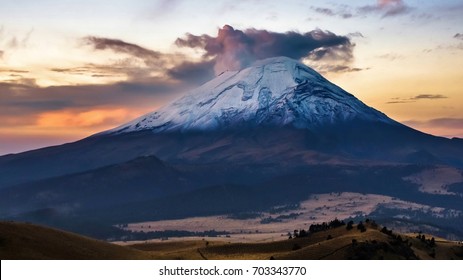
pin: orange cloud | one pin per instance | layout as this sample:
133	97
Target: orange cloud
90	118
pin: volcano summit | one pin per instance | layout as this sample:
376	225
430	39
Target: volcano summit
274	92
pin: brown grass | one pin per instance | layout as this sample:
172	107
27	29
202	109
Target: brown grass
26	241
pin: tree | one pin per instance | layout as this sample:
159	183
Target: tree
386	231
336	223
361	227
432	242
350	225
303	233
423	238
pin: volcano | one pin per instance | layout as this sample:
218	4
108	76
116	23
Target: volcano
275	92
270	134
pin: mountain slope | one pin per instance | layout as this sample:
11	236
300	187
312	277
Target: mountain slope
139	179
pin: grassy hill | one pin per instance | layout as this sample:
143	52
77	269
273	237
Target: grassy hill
26	241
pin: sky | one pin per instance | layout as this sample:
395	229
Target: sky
69	69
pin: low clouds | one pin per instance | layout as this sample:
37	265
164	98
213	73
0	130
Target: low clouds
458	36
429	96
447	127
397	100
24	103
233	49
439	122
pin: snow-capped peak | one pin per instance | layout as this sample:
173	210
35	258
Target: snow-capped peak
272	92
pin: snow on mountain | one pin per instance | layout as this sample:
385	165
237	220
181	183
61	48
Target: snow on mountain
272	92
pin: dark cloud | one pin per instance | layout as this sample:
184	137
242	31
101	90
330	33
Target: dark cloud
458	36
429	96
328	68
387	8
234	49
193	72
149	57
398	100
342	12
1	54
120	46
335	53
455	123
22	100
325	11
356	34
96	70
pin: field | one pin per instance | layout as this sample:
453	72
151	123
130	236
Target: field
26	241
268	226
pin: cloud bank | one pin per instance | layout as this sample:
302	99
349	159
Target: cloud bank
143	77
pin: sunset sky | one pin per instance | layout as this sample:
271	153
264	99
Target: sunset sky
69	69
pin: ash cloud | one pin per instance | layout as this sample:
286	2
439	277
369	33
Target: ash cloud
234	49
